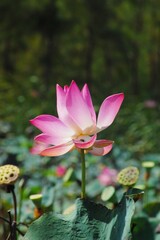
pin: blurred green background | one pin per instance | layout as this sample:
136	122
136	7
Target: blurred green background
114	46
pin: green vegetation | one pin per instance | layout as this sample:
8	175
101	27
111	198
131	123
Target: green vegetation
111	45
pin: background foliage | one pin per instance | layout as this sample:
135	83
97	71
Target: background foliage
111	45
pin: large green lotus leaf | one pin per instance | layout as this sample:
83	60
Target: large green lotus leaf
89	221
152	208
146	228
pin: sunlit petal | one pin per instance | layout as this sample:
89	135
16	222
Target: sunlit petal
87	97
51	139
78	108
109	110
62	110
101	151
52	125
61	101
57	150
38	148
102	143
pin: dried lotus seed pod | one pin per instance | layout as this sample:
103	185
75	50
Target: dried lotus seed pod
128	176
8	174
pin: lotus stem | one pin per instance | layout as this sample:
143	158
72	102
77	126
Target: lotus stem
14	203
83	183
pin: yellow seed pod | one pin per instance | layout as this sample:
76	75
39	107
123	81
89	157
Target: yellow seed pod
128	176
8	174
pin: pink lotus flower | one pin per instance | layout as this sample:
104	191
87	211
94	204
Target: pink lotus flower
150	103
60	171
76	125
108	176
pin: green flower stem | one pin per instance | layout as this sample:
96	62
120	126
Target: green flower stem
83	184
14	202
13	235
